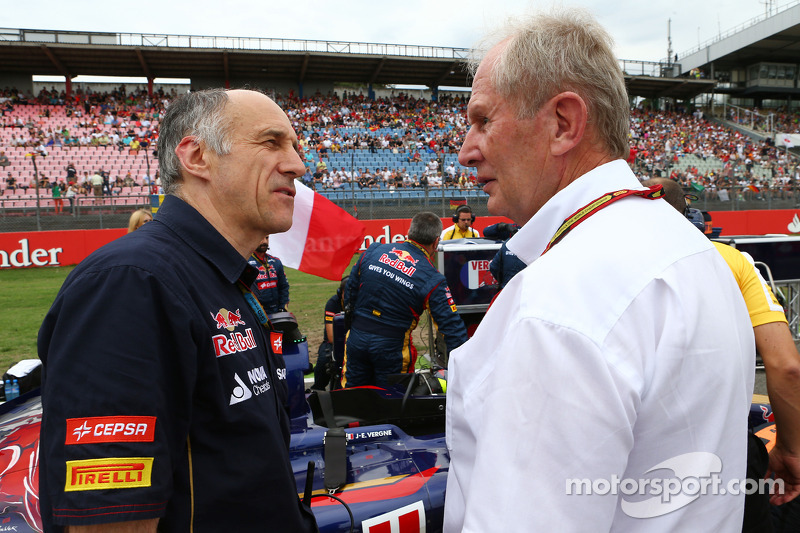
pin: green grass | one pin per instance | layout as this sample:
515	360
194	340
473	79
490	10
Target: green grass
26	295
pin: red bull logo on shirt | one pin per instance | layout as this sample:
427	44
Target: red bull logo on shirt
403	261
233	343
228	319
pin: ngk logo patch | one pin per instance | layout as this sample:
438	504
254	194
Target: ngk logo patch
95	429
408	519
225	319
109	473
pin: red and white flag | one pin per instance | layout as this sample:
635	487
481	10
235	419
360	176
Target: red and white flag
323	237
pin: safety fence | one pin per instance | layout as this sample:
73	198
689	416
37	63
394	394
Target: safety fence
32	213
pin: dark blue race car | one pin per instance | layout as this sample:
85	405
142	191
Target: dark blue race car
385	454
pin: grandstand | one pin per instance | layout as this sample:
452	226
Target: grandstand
360	150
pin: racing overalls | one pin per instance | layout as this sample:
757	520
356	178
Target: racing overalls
389	288
270	287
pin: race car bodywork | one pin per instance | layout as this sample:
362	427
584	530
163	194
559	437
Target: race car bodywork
395	464
395	461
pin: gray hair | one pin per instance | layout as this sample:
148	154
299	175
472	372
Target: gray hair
201	115
564	50
425	228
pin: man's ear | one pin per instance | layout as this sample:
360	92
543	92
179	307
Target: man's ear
571	115
193	157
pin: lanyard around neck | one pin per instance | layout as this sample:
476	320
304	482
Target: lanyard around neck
576	218
254	304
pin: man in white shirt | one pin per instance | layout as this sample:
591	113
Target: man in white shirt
615	372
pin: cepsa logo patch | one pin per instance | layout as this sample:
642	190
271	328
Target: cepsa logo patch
110	429
227	319
109	473
276	338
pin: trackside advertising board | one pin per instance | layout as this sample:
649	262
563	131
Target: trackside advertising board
59	248
52	248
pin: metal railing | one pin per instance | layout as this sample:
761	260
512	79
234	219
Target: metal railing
736	29
748	118
790	291
83	212
163	40
230	43
656	69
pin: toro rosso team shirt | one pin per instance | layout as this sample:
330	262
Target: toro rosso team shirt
271	287
161	396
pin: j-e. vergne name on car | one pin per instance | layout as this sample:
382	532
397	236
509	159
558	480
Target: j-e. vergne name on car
370	434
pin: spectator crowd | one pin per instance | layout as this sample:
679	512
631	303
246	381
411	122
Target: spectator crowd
412	134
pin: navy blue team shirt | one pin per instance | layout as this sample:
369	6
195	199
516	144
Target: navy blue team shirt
161	396
271	286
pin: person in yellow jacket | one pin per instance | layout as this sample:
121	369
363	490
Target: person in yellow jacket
462	229
775	345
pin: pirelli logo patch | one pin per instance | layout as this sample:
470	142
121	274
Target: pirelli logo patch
91	430
109	473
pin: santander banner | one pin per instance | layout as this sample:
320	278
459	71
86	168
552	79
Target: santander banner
60	248
52	248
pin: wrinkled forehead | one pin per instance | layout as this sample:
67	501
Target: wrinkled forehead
250	109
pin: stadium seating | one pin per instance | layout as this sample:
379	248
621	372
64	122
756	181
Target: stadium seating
351	136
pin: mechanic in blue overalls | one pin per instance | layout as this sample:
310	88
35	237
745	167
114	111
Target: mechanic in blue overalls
271	286
389	288
505	264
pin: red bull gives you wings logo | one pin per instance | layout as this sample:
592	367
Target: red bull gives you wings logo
403	261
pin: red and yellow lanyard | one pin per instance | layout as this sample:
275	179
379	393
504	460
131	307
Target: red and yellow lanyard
579	216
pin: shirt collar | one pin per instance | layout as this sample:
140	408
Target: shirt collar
530	241
419	247
198	233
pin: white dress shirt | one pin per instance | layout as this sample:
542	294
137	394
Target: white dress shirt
626	345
